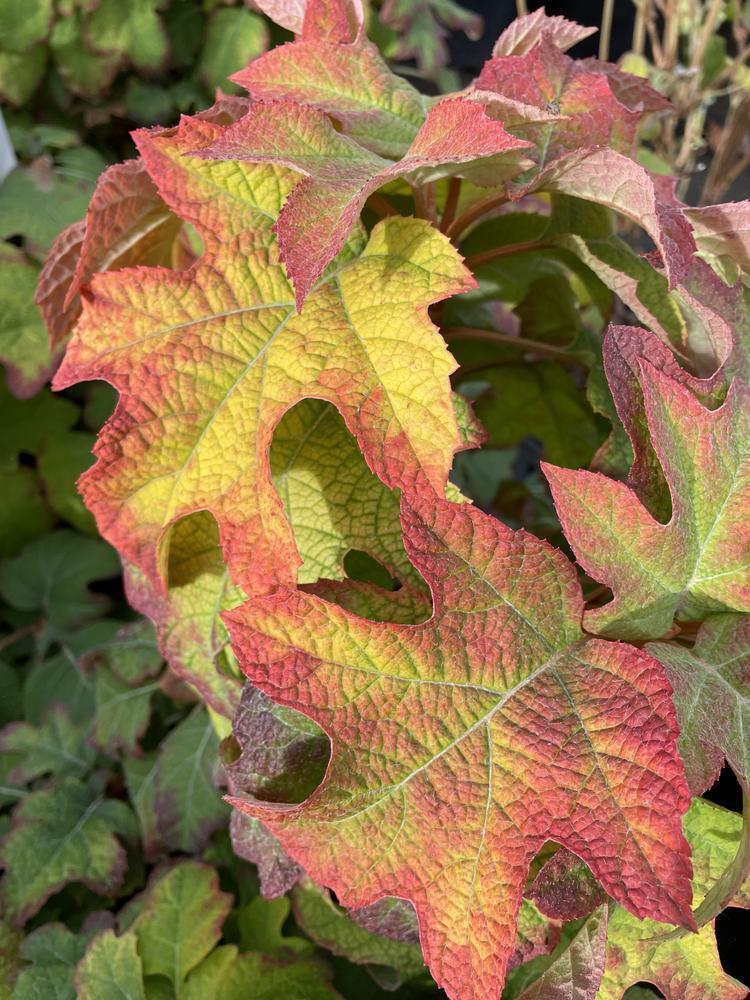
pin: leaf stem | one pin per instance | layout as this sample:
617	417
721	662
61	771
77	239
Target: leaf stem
507	339
451	203
606	29
380	206
477	259
21	633
424	202
476	211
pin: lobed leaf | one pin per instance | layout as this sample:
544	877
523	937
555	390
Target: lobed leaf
178	440
452	733
696	563
712	697
339	174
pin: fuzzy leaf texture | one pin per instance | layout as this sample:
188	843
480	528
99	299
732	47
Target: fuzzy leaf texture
186	436
482	733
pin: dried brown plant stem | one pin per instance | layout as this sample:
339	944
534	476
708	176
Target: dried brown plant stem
476	211
508	340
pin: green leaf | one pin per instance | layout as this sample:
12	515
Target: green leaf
59	679
11	705
84	72
28	423
23	336
73	833
61	462
52	577
23	514
260	977
21	74
331	928
110	969
234	38
544	402
140	776
56	747
188	802
133	29
181	920
260	924
23	23
10	959
122	712
39	201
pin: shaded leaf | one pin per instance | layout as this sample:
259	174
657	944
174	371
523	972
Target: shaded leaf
73	832
711	685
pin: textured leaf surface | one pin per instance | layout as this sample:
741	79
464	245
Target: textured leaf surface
269	977
575	969
126	223
331	928
187	800
565	889
427	723
525	32
52	576
686	967
697	562
352	83
56	747
547	79
340	175
73	833
110	969
179	438
711	684
181	920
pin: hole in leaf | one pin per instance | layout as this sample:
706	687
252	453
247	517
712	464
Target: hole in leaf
732	934
726	790
362	566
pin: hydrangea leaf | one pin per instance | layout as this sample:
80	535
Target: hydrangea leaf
54	280
330	927
61	461
711	685
282	755
38	201
565	889
277	872
52	576
260	923
696	563
546	78
470	697
225	975
339	174
723	231
85	72
24	349
333	503
141	775
290	14
233	39
352	83
525	32
263	357
607	177
55	747
126	223
541	400
24	24
684	967
122	712
73	832
187	800
575	968
134	30
181	920
110	969
131	654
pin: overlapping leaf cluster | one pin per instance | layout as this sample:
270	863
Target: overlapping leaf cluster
440	709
